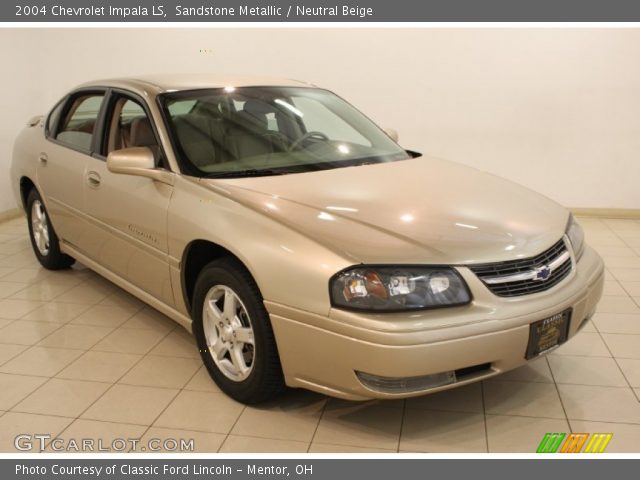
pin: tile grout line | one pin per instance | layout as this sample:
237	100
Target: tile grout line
628	245
53	331
11	358
302	441
484	413
146	355
60	326
54	376
82	312
46	300
180	390
564	410
106	391
315	431
402	418
615	359
226	437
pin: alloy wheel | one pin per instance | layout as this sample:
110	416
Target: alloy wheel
228	332
40	227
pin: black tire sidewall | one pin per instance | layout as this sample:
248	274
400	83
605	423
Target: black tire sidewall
260	385
54	259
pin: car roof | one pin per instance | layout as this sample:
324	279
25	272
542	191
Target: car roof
174	82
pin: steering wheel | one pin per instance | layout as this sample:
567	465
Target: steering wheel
307	136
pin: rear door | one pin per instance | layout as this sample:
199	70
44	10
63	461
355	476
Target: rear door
63	162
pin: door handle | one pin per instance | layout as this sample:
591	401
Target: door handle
43	158
94	179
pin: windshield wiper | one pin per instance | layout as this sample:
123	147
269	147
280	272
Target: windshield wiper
252	172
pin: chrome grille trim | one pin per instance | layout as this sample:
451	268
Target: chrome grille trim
531	274
526	276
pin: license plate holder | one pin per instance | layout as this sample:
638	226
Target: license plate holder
548	333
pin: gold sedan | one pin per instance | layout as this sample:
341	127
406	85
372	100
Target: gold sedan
297	240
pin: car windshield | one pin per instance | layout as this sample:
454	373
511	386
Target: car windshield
255	131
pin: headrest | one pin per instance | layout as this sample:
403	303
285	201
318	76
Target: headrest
255	112
141	133
257	107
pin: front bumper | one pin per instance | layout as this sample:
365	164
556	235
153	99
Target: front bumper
324	353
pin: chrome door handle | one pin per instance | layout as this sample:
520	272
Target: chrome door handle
94	179
43	158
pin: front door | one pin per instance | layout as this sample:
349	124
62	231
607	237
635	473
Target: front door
129	213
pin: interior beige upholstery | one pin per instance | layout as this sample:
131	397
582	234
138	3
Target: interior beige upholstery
201	139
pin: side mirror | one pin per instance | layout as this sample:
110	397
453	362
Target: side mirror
137	161
393	134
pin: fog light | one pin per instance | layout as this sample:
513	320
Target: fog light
406	384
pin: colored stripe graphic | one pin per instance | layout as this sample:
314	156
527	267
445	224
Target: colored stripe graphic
598	442
574	442
550	442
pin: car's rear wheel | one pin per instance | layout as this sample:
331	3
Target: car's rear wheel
234	333
44	240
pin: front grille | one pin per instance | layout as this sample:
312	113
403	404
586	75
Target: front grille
517	277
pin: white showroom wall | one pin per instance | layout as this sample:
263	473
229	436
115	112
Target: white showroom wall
557	110
20	97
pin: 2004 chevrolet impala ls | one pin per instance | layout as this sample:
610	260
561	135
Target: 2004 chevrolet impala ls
297	240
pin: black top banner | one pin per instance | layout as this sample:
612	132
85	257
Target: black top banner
320	11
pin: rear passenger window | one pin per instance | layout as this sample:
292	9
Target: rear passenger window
80	121
53	117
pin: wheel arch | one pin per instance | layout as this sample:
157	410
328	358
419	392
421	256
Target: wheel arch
197	254
26	185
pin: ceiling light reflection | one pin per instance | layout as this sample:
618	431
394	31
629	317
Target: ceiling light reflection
325	216
466	225
289	107
341	209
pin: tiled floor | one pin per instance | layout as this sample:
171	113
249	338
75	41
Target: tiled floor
80	358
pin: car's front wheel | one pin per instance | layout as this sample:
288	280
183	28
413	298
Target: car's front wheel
234	334
44	240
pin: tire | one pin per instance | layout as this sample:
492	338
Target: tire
248	372
44	240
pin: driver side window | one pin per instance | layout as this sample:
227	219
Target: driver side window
131	127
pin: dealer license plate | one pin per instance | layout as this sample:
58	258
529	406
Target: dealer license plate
547	334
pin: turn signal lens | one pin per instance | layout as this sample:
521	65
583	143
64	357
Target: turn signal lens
576	237
367	284
398	288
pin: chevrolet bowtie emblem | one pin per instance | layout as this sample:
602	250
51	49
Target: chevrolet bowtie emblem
542	273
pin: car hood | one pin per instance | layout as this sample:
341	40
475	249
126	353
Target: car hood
422	210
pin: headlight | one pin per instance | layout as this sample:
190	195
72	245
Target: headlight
389	289
576	237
